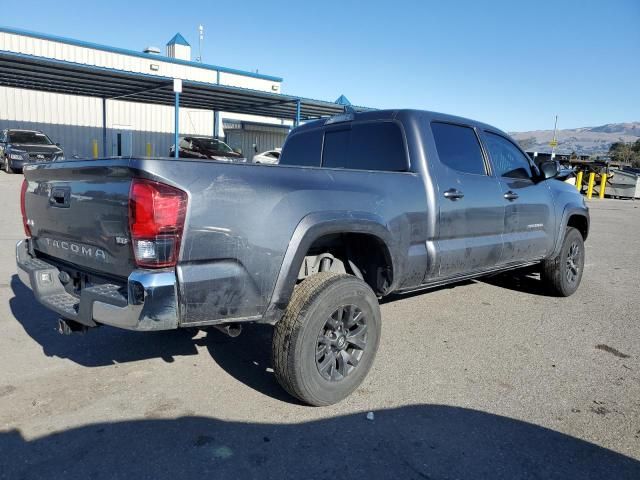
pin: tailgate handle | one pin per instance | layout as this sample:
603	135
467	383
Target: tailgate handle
60	197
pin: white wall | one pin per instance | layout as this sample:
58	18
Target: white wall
90	56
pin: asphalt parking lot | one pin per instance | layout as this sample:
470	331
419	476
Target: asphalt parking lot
487	379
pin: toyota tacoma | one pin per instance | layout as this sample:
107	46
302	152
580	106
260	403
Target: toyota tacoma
361	205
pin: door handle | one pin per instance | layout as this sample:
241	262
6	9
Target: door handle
453	194
510	195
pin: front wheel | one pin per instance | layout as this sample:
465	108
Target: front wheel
326	342
563	273
7	165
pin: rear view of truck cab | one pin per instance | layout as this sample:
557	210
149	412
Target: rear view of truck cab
102	255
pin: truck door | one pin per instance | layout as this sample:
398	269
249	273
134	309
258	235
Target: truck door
529	222
470	203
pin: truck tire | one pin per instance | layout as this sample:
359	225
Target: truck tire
325	344
563	273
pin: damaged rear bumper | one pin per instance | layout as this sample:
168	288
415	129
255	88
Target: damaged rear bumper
148	300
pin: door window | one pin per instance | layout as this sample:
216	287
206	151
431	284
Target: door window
458	148
507	159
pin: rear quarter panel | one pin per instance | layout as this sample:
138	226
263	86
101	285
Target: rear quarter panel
241	220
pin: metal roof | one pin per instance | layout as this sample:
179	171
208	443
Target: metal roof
135	53
51	75
178	39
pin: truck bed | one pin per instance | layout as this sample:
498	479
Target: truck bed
240	221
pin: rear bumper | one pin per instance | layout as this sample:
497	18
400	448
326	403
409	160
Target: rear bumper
147	302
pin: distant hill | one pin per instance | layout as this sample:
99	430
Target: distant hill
585	140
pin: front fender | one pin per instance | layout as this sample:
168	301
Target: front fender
312	227
568	211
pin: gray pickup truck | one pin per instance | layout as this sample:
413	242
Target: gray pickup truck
362	205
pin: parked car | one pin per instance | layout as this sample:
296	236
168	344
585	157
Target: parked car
24	147
361	206
270	156
206	148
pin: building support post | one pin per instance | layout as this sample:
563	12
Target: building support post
176	147
297	121
104	128
216	128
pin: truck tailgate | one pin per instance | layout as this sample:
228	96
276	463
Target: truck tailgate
78	213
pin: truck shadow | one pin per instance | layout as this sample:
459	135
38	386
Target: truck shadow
98	347
246	358
412	442
525	280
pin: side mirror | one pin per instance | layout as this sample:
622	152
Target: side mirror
238	151
57	144
549	169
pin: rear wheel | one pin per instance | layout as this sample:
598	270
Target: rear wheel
563	273
327	340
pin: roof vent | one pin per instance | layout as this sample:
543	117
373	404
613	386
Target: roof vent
152	50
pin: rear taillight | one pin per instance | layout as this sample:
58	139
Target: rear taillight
156	221
23	210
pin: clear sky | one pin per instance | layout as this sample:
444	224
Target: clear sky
514	64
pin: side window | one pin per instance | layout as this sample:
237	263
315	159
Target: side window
506	158
366	146
335	153
302	149
458	148
185	143
3	136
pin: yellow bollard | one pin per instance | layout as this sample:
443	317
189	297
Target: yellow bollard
603	184
579	181
592	178
149	149
95	149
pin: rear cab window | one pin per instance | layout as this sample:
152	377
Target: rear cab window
302	149
365	146
458	147
359	146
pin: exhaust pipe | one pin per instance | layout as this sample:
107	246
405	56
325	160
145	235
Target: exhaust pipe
68	327
230	329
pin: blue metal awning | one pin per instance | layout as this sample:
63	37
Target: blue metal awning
51	75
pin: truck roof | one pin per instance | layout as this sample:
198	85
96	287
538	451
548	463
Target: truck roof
391	114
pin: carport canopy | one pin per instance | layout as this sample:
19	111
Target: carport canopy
51	75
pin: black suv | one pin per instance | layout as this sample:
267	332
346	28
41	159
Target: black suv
23	147
207	148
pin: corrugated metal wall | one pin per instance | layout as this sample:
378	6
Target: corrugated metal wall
252	139
75	121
